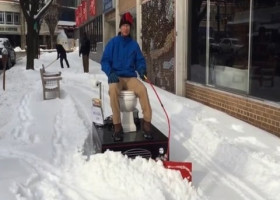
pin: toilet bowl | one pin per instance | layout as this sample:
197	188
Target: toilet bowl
128	102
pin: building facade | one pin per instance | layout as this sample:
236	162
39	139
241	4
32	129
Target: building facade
222	53
11	21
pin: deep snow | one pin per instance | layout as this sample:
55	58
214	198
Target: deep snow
42	145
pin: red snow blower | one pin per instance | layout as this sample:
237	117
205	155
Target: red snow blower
185	168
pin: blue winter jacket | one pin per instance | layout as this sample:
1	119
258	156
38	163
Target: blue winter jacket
122	56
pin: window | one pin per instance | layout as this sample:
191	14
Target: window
9	17
2	17
265	56
235	46
16	18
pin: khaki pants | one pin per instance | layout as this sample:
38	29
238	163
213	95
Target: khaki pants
85	63
132	84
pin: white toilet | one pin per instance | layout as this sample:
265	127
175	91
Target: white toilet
128	102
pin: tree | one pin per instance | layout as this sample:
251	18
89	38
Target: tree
33	10
51	19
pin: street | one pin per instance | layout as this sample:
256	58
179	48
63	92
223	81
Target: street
19	55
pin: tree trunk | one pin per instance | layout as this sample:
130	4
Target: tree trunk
31	38
52	36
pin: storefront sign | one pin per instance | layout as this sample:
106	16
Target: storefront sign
92	7
8	29
77	17
80	8
84	5
108	5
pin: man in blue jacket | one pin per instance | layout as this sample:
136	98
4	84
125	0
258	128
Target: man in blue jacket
120	61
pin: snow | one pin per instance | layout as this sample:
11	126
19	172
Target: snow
42	145
18	49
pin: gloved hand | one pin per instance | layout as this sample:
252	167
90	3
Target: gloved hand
142	73
113	78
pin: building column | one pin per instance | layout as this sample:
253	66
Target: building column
117	16
139	22
181	45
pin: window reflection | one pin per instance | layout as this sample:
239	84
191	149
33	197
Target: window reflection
265	71
228	59
220	44
197	43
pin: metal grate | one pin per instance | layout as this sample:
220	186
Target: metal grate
132	153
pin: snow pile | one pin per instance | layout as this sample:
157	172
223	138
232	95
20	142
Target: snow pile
108	176
18	49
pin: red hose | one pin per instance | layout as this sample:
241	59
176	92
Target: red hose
168	121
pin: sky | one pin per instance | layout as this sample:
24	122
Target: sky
42	145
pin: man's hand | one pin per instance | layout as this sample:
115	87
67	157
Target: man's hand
113	78
142	73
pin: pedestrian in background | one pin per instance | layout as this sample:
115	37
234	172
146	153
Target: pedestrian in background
4	61
61	53
84	50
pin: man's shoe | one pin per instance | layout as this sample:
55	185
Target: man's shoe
118	133
147	130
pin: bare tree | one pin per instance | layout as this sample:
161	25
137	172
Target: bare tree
51	19
33	10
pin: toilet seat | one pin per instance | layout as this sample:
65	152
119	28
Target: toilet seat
125	93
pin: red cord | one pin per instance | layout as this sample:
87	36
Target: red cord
165	115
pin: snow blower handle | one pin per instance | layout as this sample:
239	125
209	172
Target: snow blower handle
185	168
168	121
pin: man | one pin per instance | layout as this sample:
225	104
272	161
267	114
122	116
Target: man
120	61
61	53
5	56
84	50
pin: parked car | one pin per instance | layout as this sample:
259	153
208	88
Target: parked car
11	53
230	45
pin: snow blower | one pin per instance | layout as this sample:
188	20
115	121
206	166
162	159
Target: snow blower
185	168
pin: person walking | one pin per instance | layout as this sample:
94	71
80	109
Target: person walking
61	53
5	55
84	50
120	61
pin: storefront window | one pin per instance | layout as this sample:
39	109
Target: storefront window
235	46
197	42
229	44
265	71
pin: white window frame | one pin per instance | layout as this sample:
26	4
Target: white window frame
2	13
12	17
16	15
